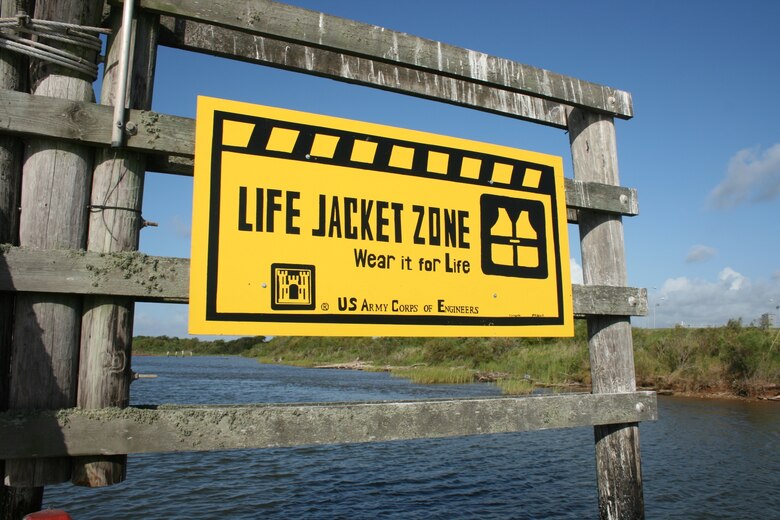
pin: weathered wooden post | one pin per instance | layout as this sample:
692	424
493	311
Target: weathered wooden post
13	76
15	502
48	328
114	224
594	154
55	186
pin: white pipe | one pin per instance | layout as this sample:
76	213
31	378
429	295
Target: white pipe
120	97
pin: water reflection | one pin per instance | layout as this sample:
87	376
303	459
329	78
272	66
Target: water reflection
702	459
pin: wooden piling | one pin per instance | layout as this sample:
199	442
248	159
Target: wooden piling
114	224
594	154
55	186
13	75
15	502
49	329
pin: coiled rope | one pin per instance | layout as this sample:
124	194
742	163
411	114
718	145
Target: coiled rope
80	36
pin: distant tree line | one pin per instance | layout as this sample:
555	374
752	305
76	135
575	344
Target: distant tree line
162	345
735	358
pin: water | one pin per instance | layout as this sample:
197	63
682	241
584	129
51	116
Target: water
703	459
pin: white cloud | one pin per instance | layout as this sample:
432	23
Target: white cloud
675	284
576	272
732	279
700	253
698	302
751	176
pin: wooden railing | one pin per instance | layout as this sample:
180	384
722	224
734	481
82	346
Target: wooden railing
269	33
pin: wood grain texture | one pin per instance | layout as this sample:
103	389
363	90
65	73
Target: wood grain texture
302	26
15	502
55	185
170	140
87	123
200	428
227	43
114	225
165	279
128	274
13	73
618	462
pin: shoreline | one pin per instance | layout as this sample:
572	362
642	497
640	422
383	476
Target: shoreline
770	394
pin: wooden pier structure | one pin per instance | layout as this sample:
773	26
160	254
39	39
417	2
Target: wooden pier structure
70	271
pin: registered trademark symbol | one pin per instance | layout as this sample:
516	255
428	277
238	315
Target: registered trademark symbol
324	306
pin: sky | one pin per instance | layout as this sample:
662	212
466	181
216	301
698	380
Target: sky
703	149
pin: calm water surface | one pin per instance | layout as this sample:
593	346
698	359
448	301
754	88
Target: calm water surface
703	459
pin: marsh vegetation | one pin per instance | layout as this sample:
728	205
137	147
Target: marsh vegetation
734	359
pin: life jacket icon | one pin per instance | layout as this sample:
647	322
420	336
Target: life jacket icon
513	234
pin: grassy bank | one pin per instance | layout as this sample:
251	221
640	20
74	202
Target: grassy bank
733	359
741	360
164	345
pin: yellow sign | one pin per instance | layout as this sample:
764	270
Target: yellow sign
312	225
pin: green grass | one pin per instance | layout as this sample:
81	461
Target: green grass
742	360
515	386
435	375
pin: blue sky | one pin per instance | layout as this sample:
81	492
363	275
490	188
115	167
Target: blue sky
703	149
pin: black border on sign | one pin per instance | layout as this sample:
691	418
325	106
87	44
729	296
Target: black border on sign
547	187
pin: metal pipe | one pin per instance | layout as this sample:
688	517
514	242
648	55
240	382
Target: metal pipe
117	132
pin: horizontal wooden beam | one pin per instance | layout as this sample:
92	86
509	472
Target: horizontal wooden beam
579	194
601	197
605	300
112	431
88	123
132	274
166	279
228	43
172	141
311	28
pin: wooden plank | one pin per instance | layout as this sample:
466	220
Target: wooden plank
131	274
88	123
606	300
579	194
227	43
602	197
114	226
173	164
618	463
207	428
174	136
166	279
297	25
